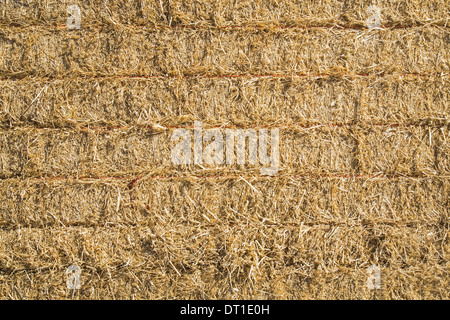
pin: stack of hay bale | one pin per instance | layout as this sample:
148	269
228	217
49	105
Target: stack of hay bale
86	176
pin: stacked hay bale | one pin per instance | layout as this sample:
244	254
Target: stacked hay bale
87	178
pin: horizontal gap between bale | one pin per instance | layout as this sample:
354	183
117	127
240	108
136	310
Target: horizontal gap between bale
98	269
134	179
289	225
336	74
159	129
361	26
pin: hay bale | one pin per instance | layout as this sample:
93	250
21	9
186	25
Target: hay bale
82	152
34	152
46	12
224	12
294	13
246	101
310	13
405	101
174	251
394	150
345	283
285	201
179	52
170	102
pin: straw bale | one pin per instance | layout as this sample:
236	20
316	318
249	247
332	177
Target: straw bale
220	101
287	200
419	100
224	12
422	281
299	12
129	52
173	101
246	255
398	150
48	12
34	152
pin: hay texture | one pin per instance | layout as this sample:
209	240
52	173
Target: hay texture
128	51
223	13
244	101
87	177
